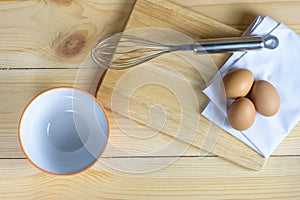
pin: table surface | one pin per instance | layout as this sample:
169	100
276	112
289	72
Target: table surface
38	32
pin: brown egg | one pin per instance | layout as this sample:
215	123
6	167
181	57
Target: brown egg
238	83
265	98
241	114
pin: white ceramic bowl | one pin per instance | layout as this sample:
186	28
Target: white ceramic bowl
63	130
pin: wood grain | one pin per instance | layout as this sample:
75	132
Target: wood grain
187	178
56	33
239	14
170	15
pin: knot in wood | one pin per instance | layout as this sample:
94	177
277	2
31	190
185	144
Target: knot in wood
63	2
72	44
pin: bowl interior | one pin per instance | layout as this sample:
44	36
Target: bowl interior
63	130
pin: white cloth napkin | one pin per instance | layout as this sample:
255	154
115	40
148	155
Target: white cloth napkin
281	67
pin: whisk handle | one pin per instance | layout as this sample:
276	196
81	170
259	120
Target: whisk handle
229	45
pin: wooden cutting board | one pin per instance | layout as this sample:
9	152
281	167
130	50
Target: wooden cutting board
158	13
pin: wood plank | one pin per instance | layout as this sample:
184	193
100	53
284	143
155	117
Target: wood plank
239	14
56	34
17	87
187	178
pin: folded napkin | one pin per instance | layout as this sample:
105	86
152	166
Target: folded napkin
281	67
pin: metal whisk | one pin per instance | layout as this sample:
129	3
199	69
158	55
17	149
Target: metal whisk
121	51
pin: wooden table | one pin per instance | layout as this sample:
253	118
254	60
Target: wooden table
42	32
